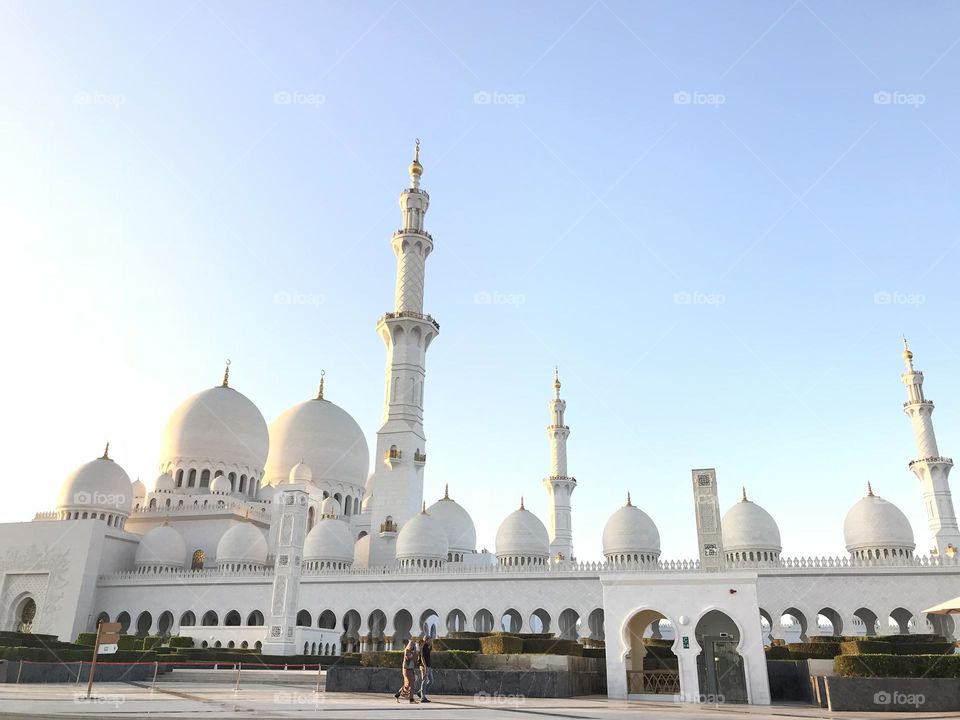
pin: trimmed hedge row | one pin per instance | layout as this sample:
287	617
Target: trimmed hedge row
452	643
181	642
555	646
778	652
820	650
501	645
593	652
899	666
866	647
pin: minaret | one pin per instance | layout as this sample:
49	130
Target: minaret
397	485
930	468
559	485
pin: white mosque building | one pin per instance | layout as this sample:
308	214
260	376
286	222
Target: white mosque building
287	538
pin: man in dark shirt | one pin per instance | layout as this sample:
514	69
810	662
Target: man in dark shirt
426	674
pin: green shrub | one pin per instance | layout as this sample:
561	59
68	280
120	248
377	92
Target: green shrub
923	648
127	642
452	659
533	636
912	639
594	652
452	643
464	634
814	650
151	641
899	666
88	638
385	658
553	646
777	652
501	644
181	642
865	647
657	642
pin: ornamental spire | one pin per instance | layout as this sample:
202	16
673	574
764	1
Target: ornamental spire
907	354
869	489
226	374
743	489
416	169
629	504
320	390
106	452
423	510
446	491
556	382
521	503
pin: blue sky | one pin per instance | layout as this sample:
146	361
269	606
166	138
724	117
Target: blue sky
717	218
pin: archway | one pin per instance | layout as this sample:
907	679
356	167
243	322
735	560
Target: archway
429	623
376	624
232	618
483	621
124	620
304	619
188	619
766	627
829	622
794	625
165	623
569	624
327	620
869	620
942	625
255	618
456	622
900	621
511	621
25	614
719	664
351	631
210	618
101	618
652	666
595	623
402	627
539	621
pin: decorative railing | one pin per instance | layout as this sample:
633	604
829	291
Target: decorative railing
207	574
918	402
393	454
653	682
388	527
419	457
931	459
410	314
413	231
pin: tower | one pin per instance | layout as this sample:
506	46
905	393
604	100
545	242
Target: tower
397	483
930	468
559	485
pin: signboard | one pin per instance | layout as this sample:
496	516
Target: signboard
107	649
686	642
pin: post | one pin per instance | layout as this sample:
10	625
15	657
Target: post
237	688
93	665
19	668
156	667
79	670
319	668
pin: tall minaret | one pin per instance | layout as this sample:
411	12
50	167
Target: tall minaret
930	468
559	485
397	485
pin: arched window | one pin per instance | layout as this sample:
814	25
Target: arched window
28	611
198	557
192	478
205	479
179	478
233	481
243	484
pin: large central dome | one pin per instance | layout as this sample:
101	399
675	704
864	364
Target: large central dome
324	437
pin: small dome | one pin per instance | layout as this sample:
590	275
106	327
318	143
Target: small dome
422	538
873	526
163	546
244	544
300	473
219	425
138	489
456	523
221	485
99	485
747	527
522	535
163	483
330	508
323	436
329	541
630	532
361	552
265	493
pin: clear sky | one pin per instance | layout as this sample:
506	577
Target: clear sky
717	218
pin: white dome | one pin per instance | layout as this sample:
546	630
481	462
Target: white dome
323	436
330	508
521	534
138	489
630	531
163	483
875	524
216	426
162	546
98	485
300	473
265	493
243	543
748	527
361	551
221	485
329	541
422	538
456	523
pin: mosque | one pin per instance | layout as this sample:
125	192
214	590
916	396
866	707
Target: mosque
283	538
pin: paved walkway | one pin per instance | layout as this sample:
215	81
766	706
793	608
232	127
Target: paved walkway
297	700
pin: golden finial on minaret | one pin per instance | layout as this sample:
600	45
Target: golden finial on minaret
743	489
556	378
416	169
629	504
907	354
320	391
446	491
869	489
521	503
106	452
226	374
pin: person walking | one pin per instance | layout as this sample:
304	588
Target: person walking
409	668
426	672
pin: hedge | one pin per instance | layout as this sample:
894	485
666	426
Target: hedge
595	652
464	634
866	647
554	646
899	666
814	650
382	658
452	659
452	643
87	639
181	642
924	648
501	645
778	652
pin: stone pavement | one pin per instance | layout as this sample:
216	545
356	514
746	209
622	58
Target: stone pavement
297	699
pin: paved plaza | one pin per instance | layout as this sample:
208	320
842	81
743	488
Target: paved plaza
296	698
